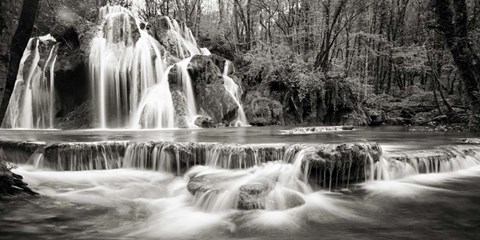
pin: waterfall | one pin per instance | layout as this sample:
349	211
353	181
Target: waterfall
130	74
128	71
234	90
32	104
125	64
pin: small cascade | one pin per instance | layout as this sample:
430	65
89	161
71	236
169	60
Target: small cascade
174	157
440	160
272	186
32	104
244	156
334	166
83	156
234	90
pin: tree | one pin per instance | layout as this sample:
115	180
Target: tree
18	44
455	27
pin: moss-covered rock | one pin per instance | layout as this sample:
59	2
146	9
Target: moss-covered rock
263	112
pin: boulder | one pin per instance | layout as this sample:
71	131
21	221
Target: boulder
253	196
218	103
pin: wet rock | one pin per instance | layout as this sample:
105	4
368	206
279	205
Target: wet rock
337	165
159	29
197	184
263	112
12	184
253	196
218	103
80	118
180	105
209	88
205	122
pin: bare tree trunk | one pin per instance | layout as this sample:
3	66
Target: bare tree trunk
19	42
454	25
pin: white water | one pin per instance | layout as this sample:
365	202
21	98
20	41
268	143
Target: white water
441	160
124	69
130	79
234	90
142	204
156	107
186	82
128	73
32	104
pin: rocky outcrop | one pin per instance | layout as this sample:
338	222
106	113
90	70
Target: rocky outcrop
12	184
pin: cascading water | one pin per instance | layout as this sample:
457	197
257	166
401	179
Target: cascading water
129	77
32	104
441	160
125	64
156	107
186	82
234	90
129	73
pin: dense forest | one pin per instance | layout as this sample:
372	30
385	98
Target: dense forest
369	62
